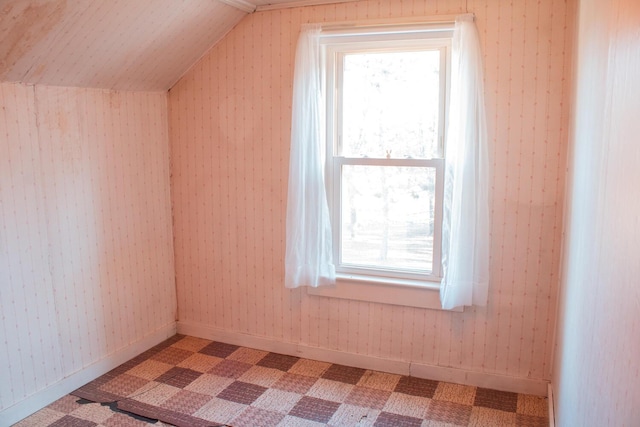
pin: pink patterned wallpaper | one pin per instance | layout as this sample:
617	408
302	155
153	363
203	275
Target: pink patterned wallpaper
229	123
86	255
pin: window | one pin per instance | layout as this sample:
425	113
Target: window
386	94
377	195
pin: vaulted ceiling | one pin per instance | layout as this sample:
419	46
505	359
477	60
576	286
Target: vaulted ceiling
142	45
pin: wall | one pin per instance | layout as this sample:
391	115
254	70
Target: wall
597	369
87	277
229	133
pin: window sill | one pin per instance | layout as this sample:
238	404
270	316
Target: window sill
408	293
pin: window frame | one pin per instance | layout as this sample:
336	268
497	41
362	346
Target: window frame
335	45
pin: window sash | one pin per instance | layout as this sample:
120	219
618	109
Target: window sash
334	195
336	47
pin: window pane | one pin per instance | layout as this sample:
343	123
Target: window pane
388	217
391	104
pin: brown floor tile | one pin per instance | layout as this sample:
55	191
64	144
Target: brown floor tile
178	377
218	349
416	386
314	409
494	399
71	421
278	361
241	392
387	419
344	374
66	405
194	382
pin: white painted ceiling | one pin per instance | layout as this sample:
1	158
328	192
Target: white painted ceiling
144	45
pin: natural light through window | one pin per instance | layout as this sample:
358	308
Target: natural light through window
386	104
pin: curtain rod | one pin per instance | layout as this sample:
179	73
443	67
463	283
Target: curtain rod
433	19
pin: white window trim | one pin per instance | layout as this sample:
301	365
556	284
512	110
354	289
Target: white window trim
401	289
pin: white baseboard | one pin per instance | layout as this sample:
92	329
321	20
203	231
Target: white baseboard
552	415
55	391
439	373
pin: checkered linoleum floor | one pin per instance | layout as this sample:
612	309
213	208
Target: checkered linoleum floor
194	382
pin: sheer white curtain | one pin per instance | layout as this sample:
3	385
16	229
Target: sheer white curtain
465	231
308	258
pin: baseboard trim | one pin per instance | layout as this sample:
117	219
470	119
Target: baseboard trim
552	415
55	391
439	373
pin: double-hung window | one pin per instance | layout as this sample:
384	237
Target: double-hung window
386	96
396	204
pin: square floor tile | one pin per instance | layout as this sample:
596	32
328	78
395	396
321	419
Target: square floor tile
533	405
523	420
220	411
368	397
462	394
344	374
482	417
405	404
230	368
277	400
314	409
330	390
124	385
449	412
71	421
494	399
254	417
247	355
200	362
353	416
66	404
278	361
209	384
149	369
387	419
172	355
260	375
416	386
186	401
191	343
379	380
178	377
241	392
295	383
219	349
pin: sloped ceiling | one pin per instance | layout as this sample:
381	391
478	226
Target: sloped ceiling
144	45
